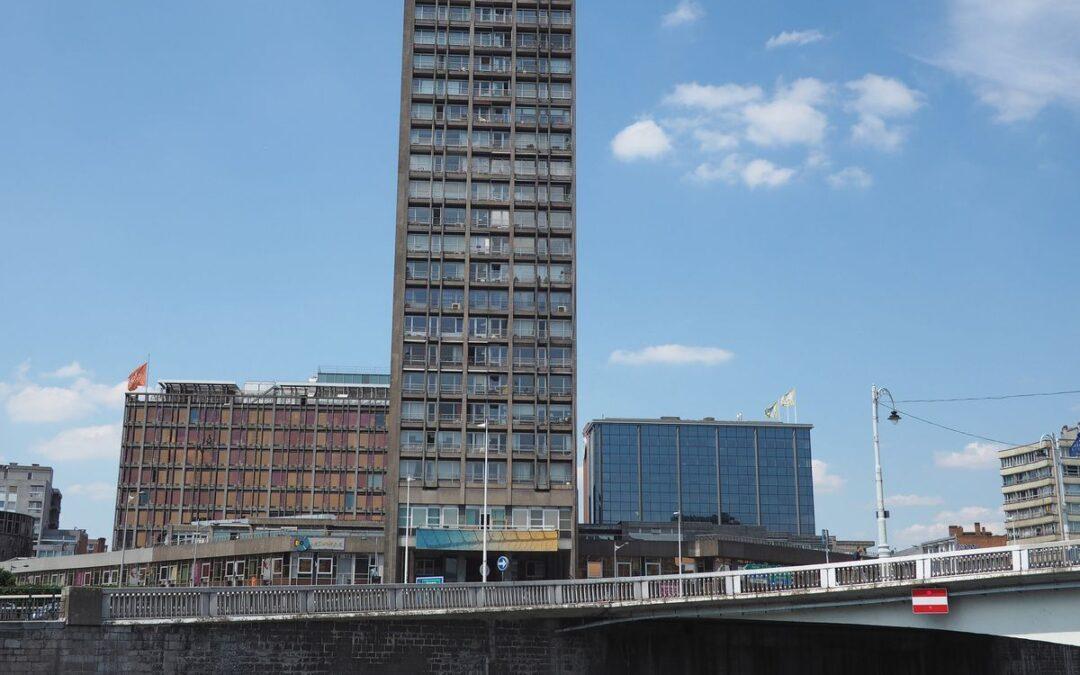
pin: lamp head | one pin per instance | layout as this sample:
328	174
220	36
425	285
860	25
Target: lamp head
894	417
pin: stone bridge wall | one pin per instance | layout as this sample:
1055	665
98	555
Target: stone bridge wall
461	647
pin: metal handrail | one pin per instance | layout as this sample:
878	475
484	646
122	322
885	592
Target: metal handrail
166	604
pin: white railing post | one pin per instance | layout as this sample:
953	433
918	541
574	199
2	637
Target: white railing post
557	597
212	604
823	577
641	591
1025	560
1017	562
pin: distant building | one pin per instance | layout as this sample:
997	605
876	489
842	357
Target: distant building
245	552
738	473
16	535
200	451
98	545
1041	486
29	490
961	540
646	549
59	543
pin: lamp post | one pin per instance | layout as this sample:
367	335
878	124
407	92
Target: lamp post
617	547
1059	484
484	512
408	523
883	548
123	537
678	515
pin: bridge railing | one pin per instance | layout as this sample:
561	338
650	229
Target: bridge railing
163	604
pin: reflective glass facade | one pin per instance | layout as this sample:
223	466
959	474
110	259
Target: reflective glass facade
720	472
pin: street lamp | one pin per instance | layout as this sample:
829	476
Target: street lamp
123	536
678	514
1055	459
617	547
883	548
484	512
408	522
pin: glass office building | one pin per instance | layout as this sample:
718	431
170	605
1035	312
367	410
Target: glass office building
484	307
747	473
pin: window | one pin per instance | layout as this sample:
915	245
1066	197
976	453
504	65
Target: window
523	471
325	567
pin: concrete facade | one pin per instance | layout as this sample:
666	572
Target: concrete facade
483	352
1041	488
200	451
28	489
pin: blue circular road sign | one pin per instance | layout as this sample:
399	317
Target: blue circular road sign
502	563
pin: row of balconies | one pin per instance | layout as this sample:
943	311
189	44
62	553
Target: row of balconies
505	120
490	420
420	226
488	364
488	391
430	449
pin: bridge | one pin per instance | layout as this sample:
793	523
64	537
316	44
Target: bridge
1028	592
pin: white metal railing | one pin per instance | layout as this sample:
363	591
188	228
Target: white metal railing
165	604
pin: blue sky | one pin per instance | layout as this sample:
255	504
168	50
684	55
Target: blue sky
812	195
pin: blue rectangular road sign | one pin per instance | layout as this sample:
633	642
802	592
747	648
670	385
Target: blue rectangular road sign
429	580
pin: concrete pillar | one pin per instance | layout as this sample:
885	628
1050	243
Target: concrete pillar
83	606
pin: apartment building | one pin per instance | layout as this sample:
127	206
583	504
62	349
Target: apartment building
484	297
1041	488
28	489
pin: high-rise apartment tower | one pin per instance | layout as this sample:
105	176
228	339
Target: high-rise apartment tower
484	301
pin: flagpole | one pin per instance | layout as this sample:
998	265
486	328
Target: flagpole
146	385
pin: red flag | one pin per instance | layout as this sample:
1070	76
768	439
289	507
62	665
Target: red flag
137	378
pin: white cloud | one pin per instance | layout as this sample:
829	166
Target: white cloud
915	500
715	141
82	443
719	119
713	96
851	177
883	96
641	140
678	355
825	483
755	173
797	38
95	492
791	117
939	527
687	11
72	369
875	133
31	402
877	99
974	456
1020	55
763	172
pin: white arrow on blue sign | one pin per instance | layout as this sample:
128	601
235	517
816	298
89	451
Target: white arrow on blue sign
502	563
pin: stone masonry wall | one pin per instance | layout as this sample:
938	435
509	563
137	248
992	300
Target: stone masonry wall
464	647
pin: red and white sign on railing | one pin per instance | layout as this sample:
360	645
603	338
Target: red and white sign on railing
930	600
